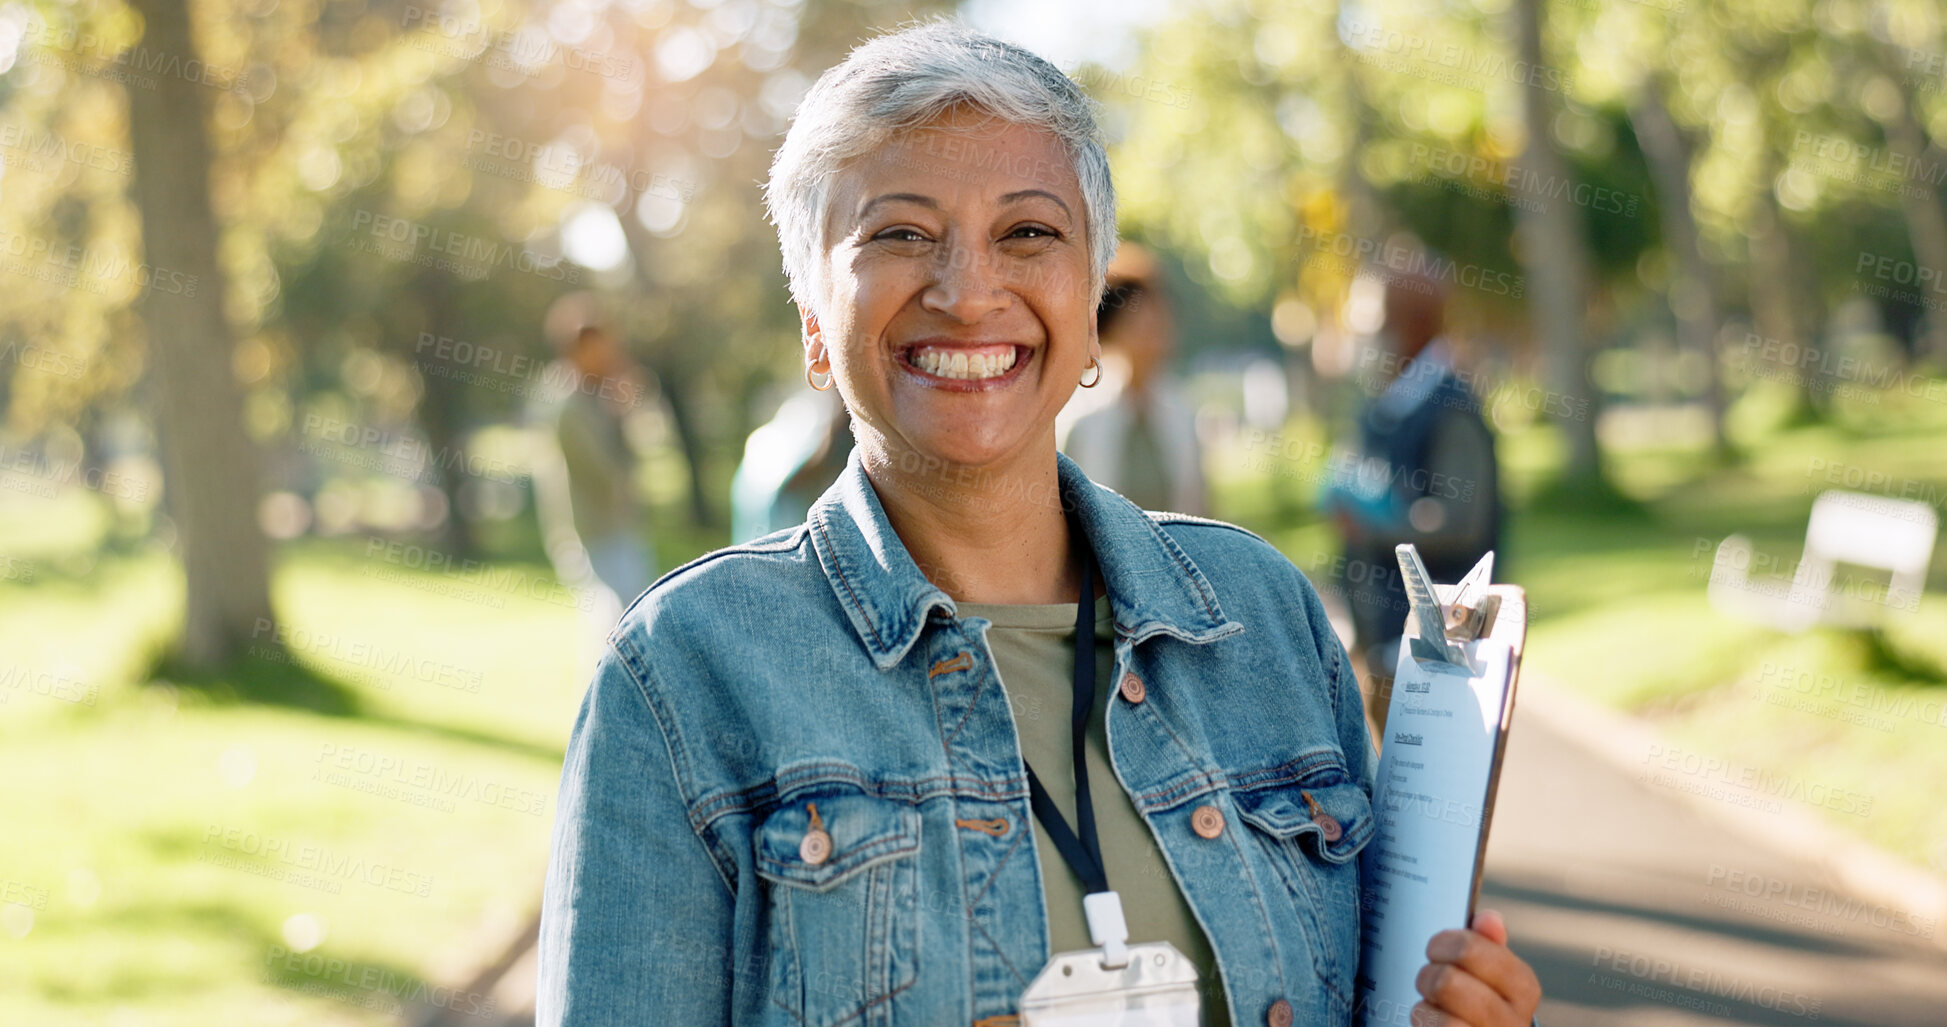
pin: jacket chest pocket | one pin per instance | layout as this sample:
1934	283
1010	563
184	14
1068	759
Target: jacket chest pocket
840	871
1311	834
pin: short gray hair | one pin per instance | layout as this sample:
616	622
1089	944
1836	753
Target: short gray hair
901	81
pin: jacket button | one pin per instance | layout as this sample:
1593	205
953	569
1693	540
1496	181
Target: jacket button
1279	1014
1132	688
1328	825
1207	821
815	848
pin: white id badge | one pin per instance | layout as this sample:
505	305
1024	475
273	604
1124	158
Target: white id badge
1157	988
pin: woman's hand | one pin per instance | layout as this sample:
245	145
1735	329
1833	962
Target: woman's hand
1472	977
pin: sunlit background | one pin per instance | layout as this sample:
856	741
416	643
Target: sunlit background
286	672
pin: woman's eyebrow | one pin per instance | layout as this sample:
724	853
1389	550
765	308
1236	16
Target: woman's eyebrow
924	201
1025	193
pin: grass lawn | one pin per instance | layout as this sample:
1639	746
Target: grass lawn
356	818
1849	724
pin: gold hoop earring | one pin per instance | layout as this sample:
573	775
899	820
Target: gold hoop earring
813	382
1096	365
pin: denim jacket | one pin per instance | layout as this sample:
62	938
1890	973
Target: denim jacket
818	667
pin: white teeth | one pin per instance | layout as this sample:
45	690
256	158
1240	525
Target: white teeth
963	365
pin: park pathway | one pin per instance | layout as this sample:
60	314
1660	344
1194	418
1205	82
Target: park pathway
1638	908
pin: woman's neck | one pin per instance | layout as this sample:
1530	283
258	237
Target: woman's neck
984	534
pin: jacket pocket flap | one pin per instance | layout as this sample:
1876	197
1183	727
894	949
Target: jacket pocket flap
861	831
1282	812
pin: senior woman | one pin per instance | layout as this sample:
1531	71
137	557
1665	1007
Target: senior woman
830	776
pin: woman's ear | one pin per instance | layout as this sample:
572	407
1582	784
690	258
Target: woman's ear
814	341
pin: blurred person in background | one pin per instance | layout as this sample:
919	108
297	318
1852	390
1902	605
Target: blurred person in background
585	477
1423	470
828	777
789	462
1135	433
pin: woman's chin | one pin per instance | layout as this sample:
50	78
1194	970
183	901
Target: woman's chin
957	456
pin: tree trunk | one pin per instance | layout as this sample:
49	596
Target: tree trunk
677	391
210	465
1553	249
674	376
1693	293
1926	217
1776	312
441	411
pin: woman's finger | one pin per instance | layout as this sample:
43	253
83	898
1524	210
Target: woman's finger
1464	998
1488	924
1492	962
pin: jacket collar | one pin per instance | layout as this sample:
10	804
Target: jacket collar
1153	586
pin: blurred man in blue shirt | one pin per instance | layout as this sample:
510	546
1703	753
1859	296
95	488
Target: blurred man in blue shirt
1423	472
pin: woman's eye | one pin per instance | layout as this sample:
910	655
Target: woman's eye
900	235
1032	232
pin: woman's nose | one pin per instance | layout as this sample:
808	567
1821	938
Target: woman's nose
967	286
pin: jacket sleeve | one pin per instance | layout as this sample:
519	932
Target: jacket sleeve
635	916
1348	702
1349	706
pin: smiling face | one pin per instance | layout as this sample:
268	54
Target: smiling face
956	314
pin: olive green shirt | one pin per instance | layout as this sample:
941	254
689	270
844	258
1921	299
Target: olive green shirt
1034	653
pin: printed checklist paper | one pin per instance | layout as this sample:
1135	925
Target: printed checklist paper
1439	765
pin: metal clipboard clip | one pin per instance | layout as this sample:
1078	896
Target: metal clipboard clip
1448	617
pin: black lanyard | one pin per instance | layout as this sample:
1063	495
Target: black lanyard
1083	854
